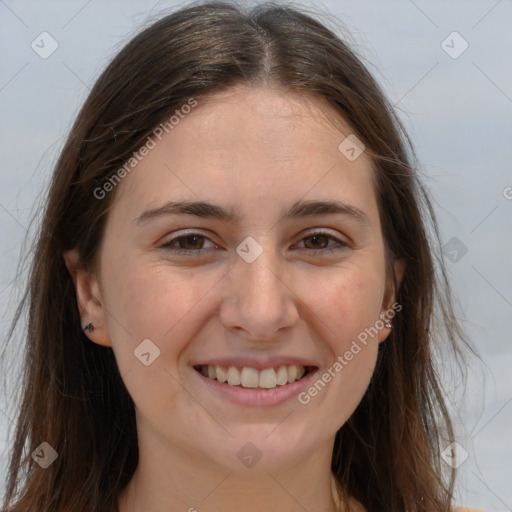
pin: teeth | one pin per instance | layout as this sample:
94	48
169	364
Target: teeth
221	374
268	378
233	376
282	376
292	374
251	378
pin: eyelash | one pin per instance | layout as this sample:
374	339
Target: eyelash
199	252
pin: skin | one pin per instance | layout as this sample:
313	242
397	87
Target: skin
257	150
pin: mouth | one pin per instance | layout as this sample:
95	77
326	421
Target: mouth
251	378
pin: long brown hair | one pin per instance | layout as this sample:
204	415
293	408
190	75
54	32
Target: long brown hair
387	455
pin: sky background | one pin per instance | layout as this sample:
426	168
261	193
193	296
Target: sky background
456	103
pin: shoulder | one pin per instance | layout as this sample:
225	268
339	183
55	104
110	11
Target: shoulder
465	509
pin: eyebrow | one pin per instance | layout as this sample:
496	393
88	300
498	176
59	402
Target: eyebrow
299	209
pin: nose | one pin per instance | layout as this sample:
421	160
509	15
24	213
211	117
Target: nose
260	303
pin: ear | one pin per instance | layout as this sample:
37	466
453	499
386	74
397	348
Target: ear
89	299
390	307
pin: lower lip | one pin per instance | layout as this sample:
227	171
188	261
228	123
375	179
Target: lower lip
255	396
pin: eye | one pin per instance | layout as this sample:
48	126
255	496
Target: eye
187	244
319	242
193	243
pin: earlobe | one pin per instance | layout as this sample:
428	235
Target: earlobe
390	306
89	300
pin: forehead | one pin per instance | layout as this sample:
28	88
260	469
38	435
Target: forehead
251	146
270	123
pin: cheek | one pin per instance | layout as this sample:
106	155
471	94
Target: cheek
153	302
347	301
152	316
345	309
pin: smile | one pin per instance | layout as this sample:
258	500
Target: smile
247	377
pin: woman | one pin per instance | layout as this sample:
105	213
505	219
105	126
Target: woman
233	300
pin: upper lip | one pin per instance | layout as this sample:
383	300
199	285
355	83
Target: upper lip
257	363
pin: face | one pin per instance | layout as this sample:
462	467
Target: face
262	280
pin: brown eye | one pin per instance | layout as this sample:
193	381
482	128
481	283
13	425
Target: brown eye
319	242
190	242
193	243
